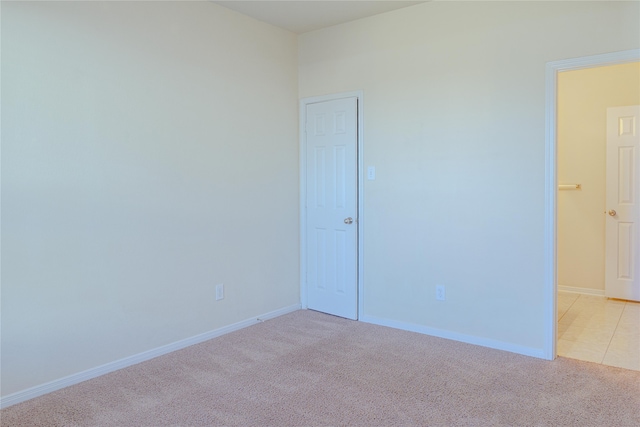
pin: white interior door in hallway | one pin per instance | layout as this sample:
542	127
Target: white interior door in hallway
623	204
331	134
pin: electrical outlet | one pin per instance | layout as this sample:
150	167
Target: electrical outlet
219	292
440	296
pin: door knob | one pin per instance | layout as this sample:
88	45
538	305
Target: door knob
348	220
612	212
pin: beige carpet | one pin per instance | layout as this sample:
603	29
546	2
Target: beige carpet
311	369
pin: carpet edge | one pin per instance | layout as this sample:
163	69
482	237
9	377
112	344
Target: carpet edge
42	389
455	336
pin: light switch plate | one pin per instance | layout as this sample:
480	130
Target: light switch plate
371	173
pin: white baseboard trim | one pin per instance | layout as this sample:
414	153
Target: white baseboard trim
583	291
469	339
58	384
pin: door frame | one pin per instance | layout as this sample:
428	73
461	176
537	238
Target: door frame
303	193
551	180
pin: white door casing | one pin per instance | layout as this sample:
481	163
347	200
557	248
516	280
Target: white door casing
331	142
622	260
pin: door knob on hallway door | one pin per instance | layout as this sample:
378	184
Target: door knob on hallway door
612	212
348	220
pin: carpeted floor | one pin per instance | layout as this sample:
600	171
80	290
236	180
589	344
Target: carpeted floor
311	369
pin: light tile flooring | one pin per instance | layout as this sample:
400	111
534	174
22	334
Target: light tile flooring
598	329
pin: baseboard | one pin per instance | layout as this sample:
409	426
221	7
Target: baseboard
469	339
583	291
58	384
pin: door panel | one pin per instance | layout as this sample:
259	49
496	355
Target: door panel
623	210
331	191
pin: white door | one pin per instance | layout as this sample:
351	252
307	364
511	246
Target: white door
331	206
623	204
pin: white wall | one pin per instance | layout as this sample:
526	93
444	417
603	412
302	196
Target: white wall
149	152
454	121
583	99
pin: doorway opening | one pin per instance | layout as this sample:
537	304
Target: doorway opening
573	294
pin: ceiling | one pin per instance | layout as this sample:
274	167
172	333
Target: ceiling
309	15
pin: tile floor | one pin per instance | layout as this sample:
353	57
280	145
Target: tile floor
598	329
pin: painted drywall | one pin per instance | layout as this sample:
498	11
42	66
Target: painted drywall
149	152
454	122
583	99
